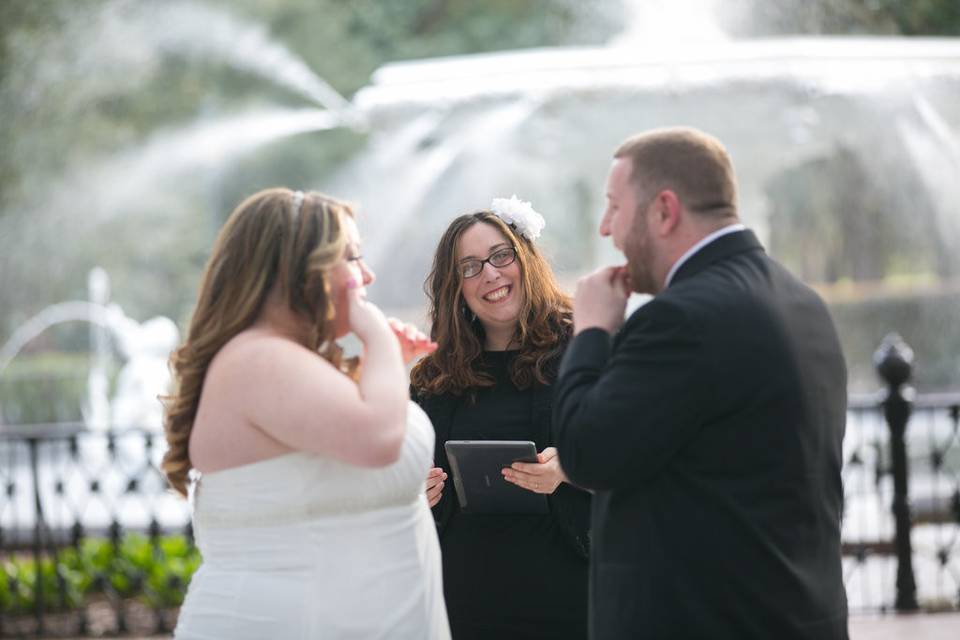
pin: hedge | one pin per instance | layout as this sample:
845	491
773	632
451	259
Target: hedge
157	574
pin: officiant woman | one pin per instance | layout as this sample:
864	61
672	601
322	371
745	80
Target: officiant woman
501	323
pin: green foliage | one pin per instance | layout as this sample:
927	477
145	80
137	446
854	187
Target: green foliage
62	585
922	17
926	322
346	40
157	572
843	17
43	388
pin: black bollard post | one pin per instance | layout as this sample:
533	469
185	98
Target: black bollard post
894	362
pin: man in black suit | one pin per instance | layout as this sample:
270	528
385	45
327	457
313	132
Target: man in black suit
710	425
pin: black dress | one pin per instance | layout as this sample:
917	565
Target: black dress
509	576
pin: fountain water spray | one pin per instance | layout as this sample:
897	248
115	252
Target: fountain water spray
202	32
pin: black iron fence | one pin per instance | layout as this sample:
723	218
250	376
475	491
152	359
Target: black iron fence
901	527
92	542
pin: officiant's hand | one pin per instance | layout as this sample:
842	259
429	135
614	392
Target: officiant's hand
543	476
601	299
435	478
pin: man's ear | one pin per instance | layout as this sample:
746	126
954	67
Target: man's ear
668	212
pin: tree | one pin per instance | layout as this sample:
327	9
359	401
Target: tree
843	17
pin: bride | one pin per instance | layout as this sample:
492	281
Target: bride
309	510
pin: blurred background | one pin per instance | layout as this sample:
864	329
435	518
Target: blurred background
130	129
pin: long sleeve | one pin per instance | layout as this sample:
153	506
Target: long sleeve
621	412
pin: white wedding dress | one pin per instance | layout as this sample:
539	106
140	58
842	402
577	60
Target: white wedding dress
301	546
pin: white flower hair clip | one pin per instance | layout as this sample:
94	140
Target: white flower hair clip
520	214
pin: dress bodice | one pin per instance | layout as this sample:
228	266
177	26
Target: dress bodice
301	486
304	546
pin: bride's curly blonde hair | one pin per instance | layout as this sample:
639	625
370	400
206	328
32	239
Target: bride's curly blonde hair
274	237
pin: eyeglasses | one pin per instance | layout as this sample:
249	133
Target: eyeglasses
499	258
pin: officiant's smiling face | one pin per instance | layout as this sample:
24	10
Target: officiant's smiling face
625	221
496	293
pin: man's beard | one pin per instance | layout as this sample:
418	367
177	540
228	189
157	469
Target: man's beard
641	281
638	251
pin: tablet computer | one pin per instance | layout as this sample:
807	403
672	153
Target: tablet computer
481	488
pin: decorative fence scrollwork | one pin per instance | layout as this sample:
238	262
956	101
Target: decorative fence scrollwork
90	540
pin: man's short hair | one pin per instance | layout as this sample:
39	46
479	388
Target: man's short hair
692	164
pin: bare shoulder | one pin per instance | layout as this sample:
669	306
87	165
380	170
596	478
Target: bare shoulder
252	343
258	354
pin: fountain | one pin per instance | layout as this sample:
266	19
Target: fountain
846	151
834	140
111	442
145	348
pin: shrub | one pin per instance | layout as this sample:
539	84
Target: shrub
155	572
45	387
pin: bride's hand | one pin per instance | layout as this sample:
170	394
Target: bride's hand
435	478
543	476
413	342
365	318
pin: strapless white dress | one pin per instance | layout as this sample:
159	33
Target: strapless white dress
302	546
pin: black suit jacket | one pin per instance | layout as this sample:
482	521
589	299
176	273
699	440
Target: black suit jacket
711	428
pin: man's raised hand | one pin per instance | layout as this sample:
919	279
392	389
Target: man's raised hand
601	299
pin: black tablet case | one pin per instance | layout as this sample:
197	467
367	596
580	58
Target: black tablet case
481	489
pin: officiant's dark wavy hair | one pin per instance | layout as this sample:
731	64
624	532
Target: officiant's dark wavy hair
543	327
271	238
